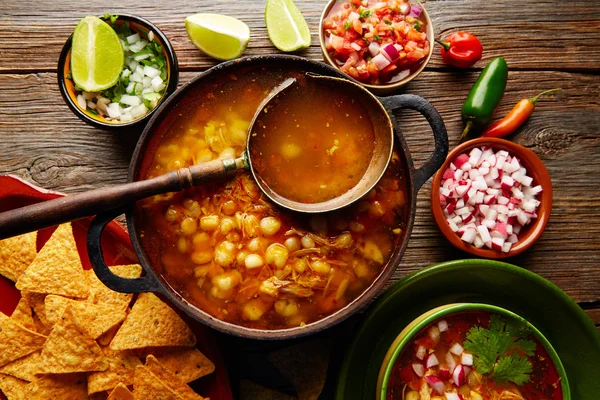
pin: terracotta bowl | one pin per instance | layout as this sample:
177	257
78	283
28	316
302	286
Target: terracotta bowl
67	86
535	168
384	88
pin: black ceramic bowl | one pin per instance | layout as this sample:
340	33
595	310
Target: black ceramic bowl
67	86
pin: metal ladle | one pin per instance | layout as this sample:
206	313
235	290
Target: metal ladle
72	207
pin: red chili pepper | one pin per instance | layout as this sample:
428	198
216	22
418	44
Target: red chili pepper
515	118
461	49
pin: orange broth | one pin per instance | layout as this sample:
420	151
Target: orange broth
231	252
312	151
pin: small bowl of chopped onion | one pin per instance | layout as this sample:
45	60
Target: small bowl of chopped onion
150	74
492	198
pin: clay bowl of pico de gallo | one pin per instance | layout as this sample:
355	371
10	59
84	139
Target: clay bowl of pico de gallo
471	351
492	198
382	45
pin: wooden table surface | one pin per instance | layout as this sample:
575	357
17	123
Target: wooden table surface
547	44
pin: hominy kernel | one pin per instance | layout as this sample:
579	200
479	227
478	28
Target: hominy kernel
201	257
182	245
209	223
229	207
321	267
376	209
225	253
356	226
254	309
300	265
307	242
253	261
286	307
276	254
270	225
241	257
292	243
171	215
189	226
227	224
201	241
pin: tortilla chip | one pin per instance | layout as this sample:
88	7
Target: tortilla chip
24	368
120	392
96	319
152	323
171	380
23	315
40	327
108	337
16	254
187	364
70	349
121	368
147	386
36	301
13	388
100	294
55	387
57	268
17	341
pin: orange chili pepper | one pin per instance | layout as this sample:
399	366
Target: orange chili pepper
515	118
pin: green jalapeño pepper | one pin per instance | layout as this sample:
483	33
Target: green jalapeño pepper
484	97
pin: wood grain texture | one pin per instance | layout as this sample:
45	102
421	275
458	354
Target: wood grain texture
547	34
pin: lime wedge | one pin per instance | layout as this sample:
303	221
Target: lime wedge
286	26
96	55
220	36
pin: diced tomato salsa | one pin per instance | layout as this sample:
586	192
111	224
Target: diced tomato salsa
376	42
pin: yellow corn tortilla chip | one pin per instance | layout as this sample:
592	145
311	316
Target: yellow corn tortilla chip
187	364
107	337
24	368
70	349
121	368
16	254
100	294
17	341
152	323
36	301
57	268
96	319
13	388
171	380
120	392
147	386
23	315
40	327
57	387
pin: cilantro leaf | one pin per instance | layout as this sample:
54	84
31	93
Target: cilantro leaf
514	369
364	13
494	349
347	25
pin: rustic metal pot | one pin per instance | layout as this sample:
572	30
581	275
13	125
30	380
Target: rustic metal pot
152	282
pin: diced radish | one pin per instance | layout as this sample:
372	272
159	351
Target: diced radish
451	362
484	170
479	197
469	236
466	167
434	334
443	325
474	156
466	359
456	349
461	190
421	351
467	218
459	376
484	233
494	173
460	160
478	243
507	182
503	200
458	220
517	229
453	225
497	244
452	167
506	247
458	174
431	361
536	190
419	369
450	208
448	174
489	223
436	384
444	373
462	211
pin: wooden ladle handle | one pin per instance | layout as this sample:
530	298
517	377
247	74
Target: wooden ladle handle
63	209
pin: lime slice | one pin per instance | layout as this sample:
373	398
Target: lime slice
220	36
286	26
96	55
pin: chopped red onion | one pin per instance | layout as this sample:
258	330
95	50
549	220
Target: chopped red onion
415	10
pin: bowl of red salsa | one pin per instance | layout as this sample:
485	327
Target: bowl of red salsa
469	351
381	44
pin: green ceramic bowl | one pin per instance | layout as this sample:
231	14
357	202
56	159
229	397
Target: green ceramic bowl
571	332
425	319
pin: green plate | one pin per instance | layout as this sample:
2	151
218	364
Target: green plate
560	319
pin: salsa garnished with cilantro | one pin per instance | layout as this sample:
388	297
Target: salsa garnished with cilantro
475	356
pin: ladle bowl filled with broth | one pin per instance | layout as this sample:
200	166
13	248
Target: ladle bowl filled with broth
228	255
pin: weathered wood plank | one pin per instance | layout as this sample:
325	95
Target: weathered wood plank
54	149
530	35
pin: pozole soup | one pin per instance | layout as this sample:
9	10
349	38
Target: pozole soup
313	142
475	355
231	252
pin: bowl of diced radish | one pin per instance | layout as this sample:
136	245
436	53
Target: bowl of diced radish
492	198
150	74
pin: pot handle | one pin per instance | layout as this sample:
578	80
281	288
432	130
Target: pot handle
419	104
147	283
